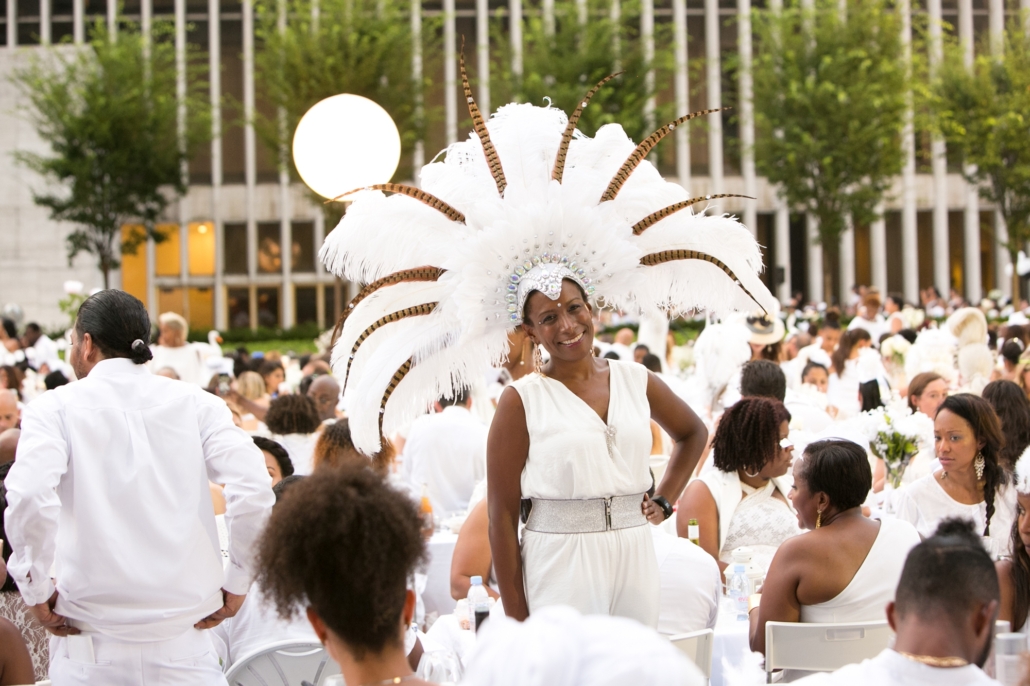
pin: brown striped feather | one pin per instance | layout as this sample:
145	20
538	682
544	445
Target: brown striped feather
493	160
570	128
414	311
657	258
404	276
655	217
412	192
398	376
641	151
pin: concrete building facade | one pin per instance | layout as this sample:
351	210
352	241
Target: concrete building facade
242	244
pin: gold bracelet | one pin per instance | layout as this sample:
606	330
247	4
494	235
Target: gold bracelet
753	601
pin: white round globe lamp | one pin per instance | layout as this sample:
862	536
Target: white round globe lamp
345	142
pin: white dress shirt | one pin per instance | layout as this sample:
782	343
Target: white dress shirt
300	448
111	486
256	626
43	351
184	359
691	585
447	452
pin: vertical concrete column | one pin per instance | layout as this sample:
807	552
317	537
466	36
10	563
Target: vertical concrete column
713	62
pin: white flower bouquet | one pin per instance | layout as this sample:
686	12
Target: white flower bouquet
894	349
896	435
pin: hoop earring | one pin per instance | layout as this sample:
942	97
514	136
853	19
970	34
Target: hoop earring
978	466
818	518
538	360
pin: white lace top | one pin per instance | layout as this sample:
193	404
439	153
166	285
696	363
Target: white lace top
760	522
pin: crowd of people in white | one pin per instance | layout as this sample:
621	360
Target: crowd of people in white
137	502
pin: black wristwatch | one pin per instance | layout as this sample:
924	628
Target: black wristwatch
664	504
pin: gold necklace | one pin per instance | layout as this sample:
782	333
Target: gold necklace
394	680
935	661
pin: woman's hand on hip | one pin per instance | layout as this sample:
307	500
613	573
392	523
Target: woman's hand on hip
652	511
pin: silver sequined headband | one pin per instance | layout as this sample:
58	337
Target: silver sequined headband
543	273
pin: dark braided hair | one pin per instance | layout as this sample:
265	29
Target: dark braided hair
748	435
292	414
1013	409
980	416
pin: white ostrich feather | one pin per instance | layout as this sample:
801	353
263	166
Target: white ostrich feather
721	350
933	351
381	303
694	284
380	235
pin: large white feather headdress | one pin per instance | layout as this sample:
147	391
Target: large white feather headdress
523	203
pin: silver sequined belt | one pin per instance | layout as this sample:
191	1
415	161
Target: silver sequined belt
586	516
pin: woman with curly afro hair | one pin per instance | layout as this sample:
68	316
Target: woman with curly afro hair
743	501
342	547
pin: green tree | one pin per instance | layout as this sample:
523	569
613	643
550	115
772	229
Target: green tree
564	65
984	114
109	115
830	101
361	47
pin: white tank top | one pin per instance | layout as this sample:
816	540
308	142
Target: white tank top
873	586
573	454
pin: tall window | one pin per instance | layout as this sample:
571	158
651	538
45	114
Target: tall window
235	252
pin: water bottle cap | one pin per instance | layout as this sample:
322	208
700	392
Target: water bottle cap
738	569
477	581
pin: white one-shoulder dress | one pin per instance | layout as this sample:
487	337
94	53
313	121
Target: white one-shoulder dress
575	455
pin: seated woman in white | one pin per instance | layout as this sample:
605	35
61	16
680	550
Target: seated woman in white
845	569
842	390
743	500
970	483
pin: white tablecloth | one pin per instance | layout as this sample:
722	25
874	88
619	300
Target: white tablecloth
437	595
732	643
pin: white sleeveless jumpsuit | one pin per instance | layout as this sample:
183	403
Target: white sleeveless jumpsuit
572	458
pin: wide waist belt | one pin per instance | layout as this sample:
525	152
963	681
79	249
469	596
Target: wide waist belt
586	516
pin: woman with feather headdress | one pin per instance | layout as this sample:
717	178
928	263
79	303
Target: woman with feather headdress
528	224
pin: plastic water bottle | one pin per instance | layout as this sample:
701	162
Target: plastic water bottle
1008	662
478	602
737	591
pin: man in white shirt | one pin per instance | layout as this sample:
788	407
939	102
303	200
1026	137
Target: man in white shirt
173	351
111	489
40	350
691	585
446	452
943	616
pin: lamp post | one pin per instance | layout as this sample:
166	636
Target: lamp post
344	143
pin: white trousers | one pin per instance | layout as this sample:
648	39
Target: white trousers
188	660
608	573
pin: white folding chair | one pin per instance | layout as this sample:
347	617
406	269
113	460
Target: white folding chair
697	645
287	663
821	647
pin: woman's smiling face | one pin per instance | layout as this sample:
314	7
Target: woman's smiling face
565	327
